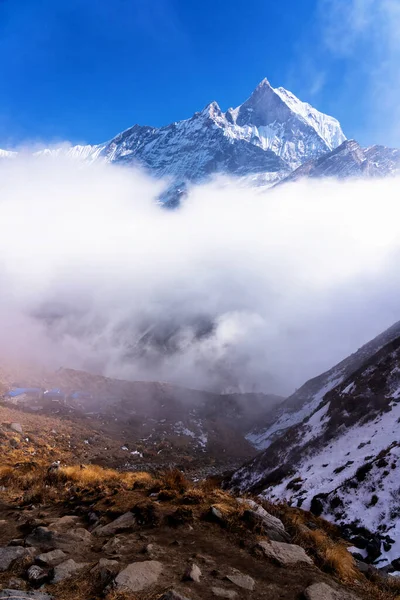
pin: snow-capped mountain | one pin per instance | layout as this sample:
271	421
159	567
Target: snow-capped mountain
335	449
350	160
270	134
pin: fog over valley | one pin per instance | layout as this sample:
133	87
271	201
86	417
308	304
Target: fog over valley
236	290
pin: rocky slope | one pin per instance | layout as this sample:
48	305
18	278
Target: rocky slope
78	532
350	160
141	424
335	450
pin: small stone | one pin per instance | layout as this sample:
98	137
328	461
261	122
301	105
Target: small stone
244	581
192	573
66	569
51	559
322	591
224	593
139	575
216	514
123	523
37	575
17	427
285	555
64	524
105	571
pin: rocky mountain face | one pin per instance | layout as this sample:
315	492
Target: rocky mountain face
334	449
272	137
350	160
270	134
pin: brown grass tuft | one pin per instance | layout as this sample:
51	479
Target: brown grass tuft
174	479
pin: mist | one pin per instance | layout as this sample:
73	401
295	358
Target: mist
236	290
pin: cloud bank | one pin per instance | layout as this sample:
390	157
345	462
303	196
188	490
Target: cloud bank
235	290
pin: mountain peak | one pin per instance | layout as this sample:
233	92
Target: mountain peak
211	110
264	83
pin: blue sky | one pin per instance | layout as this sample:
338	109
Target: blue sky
83	70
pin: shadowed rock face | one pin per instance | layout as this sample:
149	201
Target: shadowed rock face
350	160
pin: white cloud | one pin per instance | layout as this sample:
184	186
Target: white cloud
237	288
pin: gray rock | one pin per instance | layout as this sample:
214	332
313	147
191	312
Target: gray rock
66	569
139	575
285	555
17	427
51	559
244	581
105	571
216	514
21	595
322	591
192	573
10	554
272	526
224	593
123	523
46	539
64	524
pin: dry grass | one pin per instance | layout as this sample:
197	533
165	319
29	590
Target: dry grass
174	479
322	541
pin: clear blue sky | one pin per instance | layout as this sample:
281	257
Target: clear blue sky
83	70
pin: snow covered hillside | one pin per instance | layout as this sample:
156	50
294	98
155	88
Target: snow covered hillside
335	450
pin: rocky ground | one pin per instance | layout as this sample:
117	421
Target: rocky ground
84	532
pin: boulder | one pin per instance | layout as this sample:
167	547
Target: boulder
124	523
9	554
51	559
139	575
224	593
243	581
323	591
285	555
66	569
192	573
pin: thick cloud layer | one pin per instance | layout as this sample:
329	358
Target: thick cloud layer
236	289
